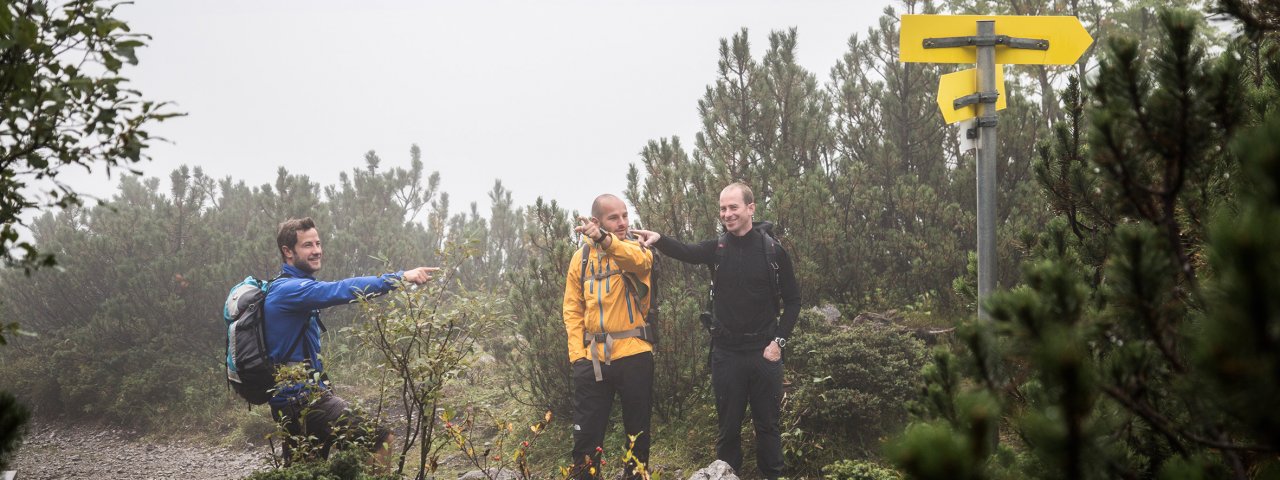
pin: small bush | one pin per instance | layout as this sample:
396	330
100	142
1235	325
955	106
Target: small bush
856	470
85	377
106	381
345	465
852	386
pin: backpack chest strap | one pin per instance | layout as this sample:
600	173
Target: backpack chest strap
605	274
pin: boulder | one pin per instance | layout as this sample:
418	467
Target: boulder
829	313
718	470
500	474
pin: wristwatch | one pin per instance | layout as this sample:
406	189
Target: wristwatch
782	342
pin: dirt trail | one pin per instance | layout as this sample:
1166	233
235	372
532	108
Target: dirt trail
53	451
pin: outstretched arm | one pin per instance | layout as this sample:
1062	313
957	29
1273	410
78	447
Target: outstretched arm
311	294
696	253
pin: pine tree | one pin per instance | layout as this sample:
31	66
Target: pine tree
541	372
676	199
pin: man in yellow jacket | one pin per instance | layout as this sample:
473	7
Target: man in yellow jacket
606	299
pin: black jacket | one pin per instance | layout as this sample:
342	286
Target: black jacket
742	303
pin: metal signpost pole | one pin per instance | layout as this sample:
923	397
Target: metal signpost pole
986	166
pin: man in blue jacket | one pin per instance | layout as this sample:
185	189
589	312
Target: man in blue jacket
292	311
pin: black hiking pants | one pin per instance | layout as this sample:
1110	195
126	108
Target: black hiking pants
742	379
329	420
631	378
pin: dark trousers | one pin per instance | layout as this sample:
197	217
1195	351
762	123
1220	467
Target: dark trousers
742	379
630	377
328	420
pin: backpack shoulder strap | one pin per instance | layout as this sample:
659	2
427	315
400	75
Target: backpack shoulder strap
586	252
720	254
771	257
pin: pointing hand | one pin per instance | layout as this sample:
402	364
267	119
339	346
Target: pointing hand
648	238
420	275
588	228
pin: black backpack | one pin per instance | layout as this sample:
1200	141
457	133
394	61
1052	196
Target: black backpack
250	370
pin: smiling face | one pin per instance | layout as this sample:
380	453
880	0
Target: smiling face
735	212
306	253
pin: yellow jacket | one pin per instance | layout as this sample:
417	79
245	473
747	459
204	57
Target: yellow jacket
603	305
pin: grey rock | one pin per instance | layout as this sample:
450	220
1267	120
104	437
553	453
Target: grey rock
501	474
718	470
830	314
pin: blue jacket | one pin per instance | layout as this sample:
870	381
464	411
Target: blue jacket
295	299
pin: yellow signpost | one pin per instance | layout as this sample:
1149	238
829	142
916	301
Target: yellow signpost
956	85
986	40
1065	39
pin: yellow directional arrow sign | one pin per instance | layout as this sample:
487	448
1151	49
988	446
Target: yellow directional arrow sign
1066	36
955	85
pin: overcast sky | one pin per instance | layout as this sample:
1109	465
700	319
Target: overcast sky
556	99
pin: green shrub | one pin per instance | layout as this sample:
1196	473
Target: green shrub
857	470
539	370
345	465
87	377
852	386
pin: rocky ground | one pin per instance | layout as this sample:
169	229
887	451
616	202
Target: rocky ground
58	451
62	452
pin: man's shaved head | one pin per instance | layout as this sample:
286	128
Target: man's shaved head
602	202
747	197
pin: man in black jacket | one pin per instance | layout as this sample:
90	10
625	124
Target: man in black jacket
753	281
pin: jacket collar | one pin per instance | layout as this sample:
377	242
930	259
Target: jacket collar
293	271
746	239
757	228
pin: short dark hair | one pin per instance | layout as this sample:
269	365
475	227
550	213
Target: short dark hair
288	236
599	203
748	198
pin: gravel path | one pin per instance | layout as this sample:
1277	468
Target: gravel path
65	452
